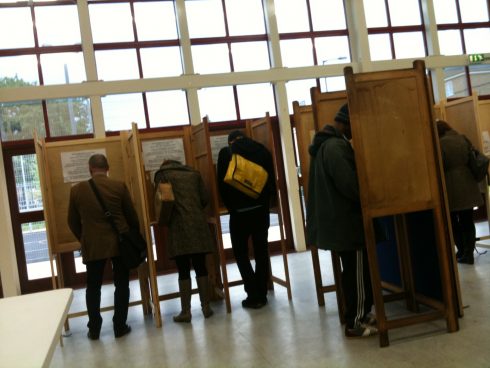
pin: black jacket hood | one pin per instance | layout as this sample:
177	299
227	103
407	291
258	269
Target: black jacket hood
327	132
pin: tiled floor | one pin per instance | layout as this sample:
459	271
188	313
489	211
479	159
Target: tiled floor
285	333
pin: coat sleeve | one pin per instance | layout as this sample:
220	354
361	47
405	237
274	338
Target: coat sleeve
74	220
224	157
339	161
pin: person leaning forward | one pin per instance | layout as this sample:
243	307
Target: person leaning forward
334	218
249	217
99	241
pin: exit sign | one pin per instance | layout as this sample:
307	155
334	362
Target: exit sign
476	58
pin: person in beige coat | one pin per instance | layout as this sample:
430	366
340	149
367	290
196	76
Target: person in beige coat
99	241
189	238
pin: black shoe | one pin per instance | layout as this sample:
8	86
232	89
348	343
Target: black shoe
92	335
466	260
253	304
123	331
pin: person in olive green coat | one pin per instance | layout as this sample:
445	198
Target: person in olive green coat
463	191
189	237
334	218
99	241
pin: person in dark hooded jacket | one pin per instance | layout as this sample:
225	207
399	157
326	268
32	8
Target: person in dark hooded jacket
334	218
249	217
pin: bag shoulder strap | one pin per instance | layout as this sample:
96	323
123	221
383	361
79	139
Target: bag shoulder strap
107	213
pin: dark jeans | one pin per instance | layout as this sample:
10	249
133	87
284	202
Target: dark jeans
184	265
356	284
464	232
95	272
252	224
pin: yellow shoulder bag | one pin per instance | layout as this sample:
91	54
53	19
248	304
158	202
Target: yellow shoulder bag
246	176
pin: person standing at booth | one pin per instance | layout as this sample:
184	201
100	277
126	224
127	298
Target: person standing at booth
249	217
463	192
189	238
89	224
334	218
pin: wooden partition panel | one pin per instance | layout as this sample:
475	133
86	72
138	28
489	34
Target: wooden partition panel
203	160
63	164
462	115
304	124
261	131
400	173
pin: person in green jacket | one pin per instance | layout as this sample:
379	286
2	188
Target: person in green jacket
334	218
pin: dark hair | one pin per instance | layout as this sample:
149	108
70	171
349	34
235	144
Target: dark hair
98	161
442	127
235	135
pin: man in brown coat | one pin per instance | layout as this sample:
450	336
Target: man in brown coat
99	241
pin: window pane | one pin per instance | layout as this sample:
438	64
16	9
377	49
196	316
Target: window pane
332	50
292	16
477	40
161	62
455	82
27	183
409	45
327	15
445	11
299	90
57	25
122	110
111	23
167	108
245	17
36	250
21	68
296	52
19	120
255	100
64	68
450	42
474	10
116	64
18	22
155	20
375	13
480	79
332	84
211	58
250	56
380	47
69	116
404	13
217	103
205	18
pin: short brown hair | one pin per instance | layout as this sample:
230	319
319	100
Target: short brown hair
442	127
98	161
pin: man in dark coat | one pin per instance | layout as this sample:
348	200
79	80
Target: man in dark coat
334	218
99	241
249	217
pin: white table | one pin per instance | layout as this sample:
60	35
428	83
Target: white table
30	327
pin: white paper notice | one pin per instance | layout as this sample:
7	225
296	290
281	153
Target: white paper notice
486	143
157	151
75	165
217	143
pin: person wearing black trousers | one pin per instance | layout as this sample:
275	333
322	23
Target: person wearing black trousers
249	217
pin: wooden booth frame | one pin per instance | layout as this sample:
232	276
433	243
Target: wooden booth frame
396	104
55	189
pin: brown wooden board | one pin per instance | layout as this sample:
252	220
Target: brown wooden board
400	173
462	115
57	190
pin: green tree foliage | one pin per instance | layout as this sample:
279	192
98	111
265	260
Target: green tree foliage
19	120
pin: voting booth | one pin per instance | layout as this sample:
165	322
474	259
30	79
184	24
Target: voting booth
401	177
63	164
